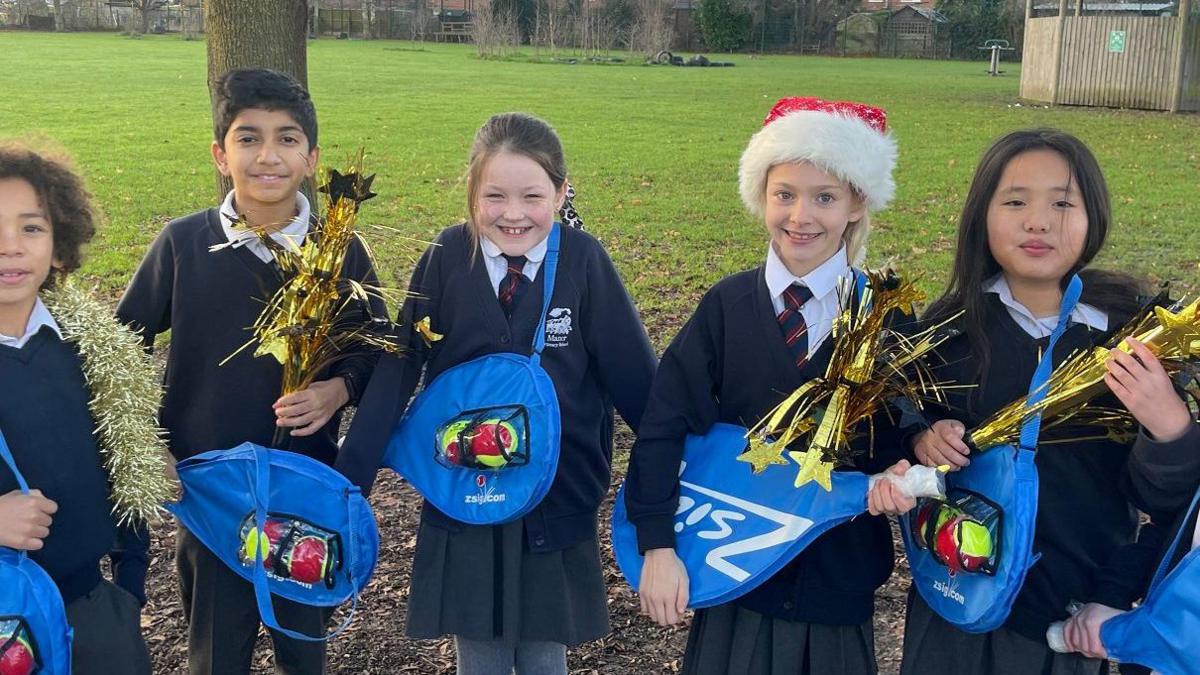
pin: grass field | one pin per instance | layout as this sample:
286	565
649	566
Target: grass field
653	150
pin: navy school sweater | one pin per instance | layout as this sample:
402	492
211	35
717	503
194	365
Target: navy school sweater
598	358
45	418
730	364
209	301
1088	490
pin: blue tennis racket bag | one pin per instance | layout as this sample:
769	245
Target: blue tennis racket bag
969	553
481	442
286	523
735	529
1164	631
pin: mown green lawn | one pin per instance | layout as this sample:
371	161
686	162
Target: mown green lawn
653	150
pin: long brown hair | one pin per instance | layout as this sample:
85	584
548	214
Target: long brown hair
974	264
520	134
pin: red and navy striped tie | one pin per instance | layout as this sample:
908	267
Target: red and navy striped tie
513	284
791	322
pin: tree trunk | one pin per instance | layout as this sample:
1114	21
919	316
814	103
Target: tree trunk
259	34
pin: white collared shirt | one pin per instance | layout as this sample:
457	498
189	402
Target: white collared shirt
497	266
39	317
1040	327
820	311
290	236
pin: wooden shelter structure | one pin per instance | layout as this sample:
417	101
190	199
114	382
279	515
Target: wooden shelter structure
912	32
1113	54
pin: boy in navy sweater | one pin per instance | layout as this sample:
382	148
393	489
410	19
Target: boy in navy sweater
206	281
65	522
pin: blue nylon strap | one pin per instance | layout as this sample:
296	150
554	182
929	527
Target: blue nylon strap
549	271
1037	389
12	464
1166	559
262	590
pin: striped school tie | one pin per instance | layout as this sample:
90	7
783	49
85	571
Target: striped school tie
513	285
791	322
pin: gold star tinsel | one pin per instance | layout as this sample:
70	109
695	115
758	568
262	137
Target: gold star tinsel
304	325
425	328
126	395
870	365
1173	337
761	454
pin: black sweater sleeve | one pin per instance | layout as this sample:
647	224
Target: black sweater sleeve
130	558
146	304
146	308
355	367
1126	574
682	401
393	381
617	341
1162	477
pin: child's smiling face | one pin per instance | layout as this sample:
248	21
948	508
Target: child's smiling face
807	211
516	203
267	156
26	248
1036	219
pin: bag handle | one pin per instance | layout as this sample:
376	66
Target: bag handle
549	272
1031	428
262	591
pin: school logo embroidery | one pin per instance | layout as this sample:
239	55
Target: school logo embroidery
771	528
558	327
486	494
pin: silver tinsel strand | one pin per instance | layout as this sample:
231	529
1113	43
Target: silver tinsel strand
126	395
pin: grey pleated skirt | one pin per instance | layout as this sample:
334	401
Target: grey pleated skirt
731	640
933	646
481	582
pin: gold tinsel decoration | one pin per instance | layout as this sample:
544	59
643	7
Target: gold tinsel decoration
302	325
126	395
1173	337
870	365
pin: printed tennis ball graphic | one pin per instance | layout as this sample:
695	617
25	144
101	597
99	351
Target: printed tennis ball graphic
492	441
928	513
275	530
974	545
450	441
963	544
17	659
489	442
309	560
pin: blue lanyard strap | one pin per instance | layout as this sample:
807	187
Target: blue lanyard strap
549	271
1037	389
1179	536
12	464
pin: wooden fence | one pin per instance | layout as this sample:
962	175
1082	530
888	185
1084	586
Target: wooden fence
1125	61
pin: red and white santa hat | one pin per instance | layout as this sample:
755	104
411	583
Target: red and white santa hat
848	140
